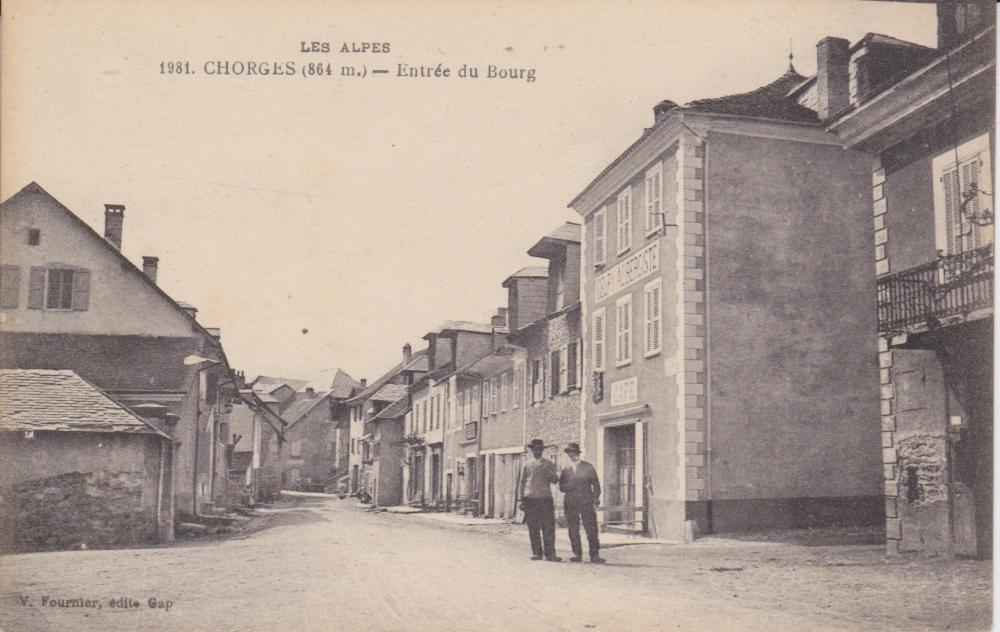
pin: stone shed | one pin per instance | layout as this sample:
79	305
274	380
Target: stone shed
78	468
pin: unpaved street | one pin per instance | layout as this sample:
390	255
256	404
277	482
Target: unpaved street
341	568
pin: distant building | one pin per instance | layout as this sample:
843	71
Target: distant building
727	307
77	467
926	118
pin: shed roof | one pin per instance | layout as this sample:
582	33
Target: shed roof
62	401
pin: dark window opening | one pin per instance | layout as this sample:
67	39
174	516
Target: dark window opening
60	290
34	236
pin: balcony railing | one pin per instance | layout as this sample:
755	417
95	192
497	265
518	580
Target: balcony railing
470	430
954	285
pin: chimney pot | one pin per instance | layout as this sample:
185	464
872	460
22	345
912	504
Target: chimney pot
661	109
833	58
407	354
150	265
114	218
364	382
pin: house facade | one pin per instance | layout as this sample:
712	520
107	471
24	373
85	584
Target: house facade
929	130
719	392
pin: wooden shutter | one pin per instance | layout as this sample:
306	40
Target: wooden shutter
563	370
652	312
952	219
36	289
554	373
10	286
600	236
623	330
573	363
969	177
599	322
81	290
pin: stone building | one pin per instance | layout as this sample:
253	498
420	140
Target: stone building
77	467
727	306
926	120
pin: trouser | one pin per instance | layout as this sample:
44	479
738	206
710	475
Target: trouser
540	516
575	512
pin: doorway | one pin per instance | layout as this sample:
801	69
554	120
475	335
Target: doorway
620	465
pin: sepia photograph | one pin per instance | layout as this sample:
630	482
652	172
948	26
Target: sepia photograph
448	315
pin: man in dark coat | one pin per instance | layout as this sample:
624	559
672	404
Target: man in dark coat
578	481
535	488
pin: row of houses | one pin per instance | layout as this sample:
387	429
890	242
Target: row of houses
120	415
775	312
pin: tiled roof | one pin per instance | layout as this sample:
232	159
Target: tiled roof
394	410
887	40
531	272
554	244
343	385
770	101
113	363
422	363
462	325
390	393
301	403
268	384
387	376
62	401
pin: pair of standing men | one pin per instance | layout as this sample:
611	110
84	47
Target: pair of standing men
578	481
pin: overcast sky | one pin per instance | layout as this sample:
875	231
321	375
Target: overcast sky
365	211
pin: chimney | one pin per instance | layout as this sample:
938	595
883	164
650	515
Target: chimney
364	383
407	354
114	217
150	266
833	60
310	392
661	109
502	313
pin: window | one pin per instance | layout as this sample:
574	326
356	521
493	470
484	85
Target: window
485	398
503	391
494	394
624	235
296	448
653	318
537	381
563	369
34	236
963	196
555	375
10	286
560	274
61	289
623	330
600	237
573	376
654	198
515	388
599	325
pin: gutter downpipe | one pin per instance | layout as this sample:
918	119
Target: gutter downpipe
709	521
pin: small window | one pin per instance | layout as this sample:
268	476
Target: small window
34	236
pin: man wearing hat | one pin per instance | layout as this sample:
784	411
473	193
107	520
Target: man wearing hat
537	478
578	481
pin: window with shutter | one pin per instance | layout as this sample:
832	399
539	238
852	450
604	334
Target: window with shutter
623	330
10	286
963	197
555	375
579	363
600	237
573	366
59	289
654	198
515	387
652	310
537	381
503	392
624	217
36	288
599	326
563	370
494	384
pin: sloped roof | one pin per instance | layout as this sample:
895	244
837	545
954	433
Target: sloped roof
113	363
461	325
394	410
769	101
555	242
887	40
387	376
62	401
422	363
269	384
300	405
389	393
343	385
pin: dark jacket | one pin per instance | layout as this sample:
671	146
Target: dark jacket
581	486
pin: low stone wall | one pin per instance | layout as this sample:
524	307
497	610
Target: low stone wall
98	509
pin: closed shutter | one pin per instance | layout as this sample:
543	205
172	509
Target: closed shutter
600	237
970	185
599	327
554	373
10	286
573	363
652	311
563	370
623	330
36	288
81	290
515	388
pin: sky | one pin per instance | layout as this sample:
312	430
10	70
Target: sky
324	221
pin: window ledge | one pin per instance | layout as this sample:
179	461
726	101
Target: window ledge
653	354
653	231
619	365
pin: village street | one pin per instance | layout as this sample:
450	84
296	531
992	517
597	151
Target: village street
335	567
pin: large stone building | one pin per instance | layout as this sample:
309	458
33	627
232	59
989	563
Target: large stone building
727	308
926	117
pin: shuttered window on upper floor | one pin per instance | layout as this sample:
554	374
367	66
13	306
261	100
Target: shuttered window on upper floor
59	289
10	287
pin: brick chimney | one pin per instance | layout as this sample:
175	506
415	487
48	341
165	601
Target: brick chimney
407	354
833	60
149	267
114	217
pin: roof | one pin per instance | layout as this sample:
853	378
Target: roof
268	384
769	101
555	242
421	364
343	385
887	40
301	404
462	325
113	363
33	188
62	401
390	393
388	376
394	410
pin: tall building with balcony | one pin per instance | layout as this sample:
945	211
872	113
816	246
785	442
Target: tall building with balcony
727	310
926	119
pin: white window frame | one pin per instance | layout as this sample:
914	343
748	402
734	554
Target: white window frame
600	237
652	321
978	147
600	344
653	192
623	236
623	330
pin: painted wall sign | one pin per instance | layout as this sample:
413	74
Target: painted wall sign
625	391
629	271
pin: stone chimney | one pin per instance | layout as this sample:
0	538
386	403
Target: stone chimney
407	354
114	218
364	383
833	59
149	267
661	109
310	392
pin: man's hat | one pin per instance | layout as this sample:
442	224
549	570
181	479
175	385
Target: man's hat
536	443
572	448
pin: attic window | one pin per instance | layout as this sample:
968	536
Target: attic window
34	236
